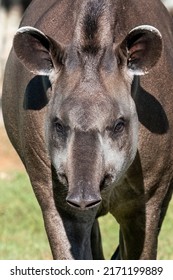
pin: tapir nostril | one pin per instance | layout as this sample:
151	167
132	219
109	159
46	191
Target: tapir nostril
83	203
93	204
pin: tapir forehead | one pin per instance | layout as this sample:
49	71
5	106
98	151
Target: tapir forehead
90	112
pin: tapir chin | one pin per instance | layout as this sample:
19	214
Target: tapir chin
88	106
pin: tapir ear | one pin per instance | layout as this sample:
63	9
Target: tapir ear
39	53
142	48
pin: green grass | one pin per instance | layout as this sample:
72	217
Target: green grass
22	234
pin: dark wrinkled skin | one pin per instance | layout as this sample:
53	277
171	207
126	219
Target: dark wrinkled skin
62	126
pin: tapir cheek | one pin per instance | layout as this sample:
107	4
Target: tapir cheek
58	160
116	166
116	161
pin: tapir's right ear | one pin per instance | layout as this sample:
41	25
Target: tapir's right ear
142	48
39	53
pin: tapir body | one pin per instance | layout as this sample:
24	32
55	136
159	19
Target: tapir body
88	106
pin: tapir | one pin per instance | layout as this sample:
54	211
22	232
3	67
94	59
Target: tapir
88	106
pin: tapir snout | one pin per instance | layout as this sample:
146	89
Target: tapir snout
83	196
84	170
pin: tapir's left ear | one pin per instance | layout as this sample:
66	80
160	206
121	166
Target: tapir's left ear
39	53
142	48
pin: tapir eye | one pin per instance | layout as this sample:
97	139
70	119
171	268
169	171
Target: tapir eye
119	125
59	126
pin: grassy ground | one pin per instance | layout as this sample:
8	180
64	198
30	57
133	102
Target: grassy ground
22	233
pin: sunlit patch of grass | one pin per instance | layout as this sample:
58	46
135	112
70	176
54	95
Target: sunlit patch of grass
165	248
110	235
22	234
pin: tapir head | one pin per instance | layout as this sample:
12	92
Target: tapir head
92	123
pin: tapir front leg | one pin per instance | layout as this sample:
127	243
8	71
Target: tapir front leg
132	238
156	208
140	223
58	240
78	228
96	242
57	236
